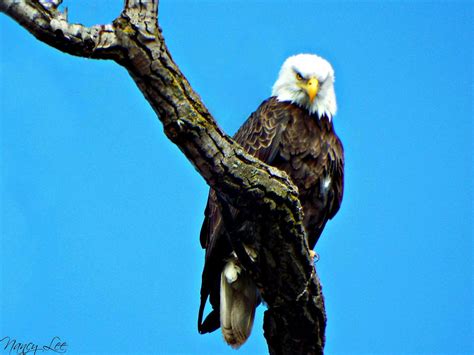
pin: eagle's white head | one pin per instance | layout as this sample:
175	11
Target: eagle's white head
308	81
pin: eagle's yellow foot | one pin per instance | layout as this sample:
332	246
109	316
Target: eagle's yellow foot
314	256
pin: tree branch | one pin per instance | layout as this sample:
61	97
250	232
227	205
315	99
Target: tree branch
147	9
49	25
295	321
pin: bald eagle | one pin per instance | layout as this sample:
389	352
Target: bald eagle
293	131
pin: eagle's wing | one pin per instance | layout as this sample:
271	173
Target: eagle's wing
337	165
327	174
260	136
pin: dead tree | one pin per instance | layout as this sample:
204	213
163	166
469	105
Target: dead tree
295	320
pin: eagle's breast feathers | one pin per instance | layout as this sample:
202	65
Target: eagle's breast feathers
306	147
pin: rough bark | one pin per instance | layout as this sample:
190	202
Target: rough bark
295	320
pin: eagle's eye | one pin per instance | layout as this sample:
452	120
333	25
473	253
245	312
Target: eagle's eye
299	76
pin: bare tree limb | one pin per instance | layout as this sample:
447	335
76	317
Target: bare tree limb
295	321
49	25
146	10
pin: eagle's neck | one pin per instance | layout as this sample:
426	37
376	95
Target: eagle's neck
324	105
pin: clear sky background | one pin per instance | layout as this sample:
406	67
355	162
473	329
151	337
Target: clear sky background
100	214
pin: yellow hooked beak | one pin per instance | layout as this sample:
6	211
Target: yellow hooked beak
312	88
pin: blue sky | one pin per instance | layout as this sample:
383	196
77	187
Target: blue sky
100	214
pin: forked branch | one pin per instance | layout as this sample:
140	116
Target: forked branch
295	321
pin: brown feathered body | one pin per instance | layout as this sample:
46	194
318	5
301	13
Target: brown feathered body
307	148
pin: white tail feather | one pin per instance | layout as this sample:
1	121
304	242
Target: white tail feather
239	299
